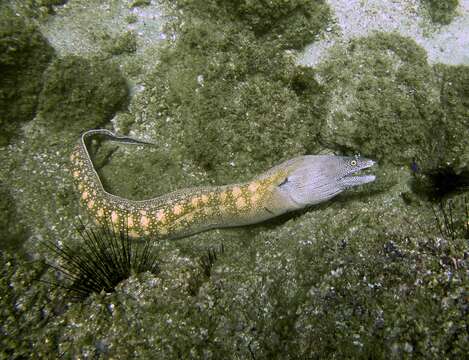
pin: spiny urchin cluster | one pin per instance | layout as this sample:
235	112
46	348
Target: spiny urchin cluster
107	256
452	220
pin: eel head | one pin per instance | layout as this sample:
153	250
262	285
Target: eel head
312	179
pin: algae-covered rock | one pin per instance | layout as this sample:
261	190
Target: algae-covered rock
235	105
454	97
441	11
125	43
27	310
223	100
389	103
271	293
80	94
12	233
291	24
139	3
38	9
224	103
444	169
263	118
24	55
353	303
384	99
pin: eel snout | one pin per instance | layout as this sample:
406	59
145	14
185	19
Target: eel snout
352	179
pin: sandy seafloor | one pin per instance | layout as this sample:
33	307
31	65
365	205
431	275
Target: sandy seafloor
252	306
448	44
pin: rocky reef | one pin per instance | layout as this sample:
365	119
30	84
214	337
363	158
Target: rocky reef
379	272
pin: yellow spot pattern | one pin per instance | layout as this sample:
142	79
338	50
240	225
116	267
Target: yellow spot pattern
253	186
177	210
144	221
236	191
114	217
240	203
160	216
185	213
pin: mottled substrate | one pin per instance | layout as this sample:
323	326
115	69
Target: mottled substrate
390	103
453	145
28	309
36	9
24	55
364	276
322	284
79	94
226	100
53	99
291	24
441	11
125	43
382	89
11	229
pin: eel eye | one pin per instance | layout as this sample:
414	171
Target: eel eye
353	162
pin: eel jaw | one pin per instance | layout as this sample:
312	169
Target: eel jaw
351	180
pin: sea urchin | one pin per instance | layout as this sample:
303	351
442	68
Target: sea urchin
107	256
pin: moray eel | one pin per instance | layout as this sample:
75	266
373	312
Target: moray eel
292	185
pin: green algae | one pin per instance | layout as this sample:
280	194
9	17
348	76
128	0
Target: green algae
24	55
27	310
131	18
36	9
444	169
80	94
357	277
384	105
12	231
139	3
335	271
389	103
42	192
275	106
339	279
441	11
454	99
125	43
291	24
353	304
275	110
143	166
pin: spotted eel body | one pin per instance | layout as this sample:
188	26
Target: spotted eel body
292	185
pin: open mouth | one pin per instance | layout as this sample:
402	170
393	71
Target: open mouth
365	175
